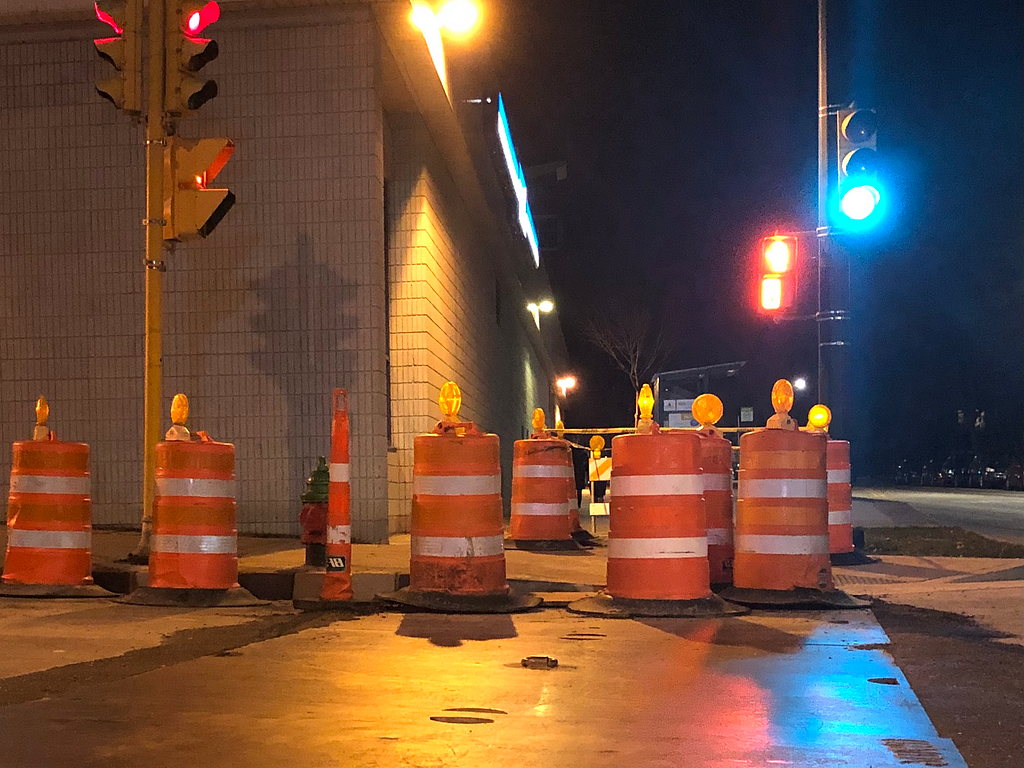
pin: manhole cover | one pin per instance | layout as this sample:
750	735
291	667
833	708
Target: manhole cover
915	752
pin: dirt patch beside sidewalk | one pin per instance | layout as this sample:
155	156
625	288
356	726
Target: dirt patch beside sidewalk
935	541
970	686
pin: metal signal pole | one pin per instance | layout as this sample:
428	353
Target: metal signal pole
156	141
833	265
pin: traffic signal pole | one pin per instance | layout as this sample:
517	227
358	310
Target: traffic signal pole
833	265
156	140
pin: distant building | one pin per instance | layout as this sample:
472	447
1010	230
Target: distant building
377	245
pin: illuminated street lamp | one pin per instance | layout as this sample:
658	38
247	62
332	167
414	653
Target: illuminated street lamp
800	383
565	384
535	309
456	16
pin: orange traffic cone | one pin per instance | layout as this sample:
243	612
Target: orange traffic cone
338	577
458	557
193	559
49	528
781	536
657	538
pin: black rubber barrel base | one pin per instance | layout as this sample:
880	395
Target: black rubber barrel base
603	604
856	557
167	597
798	597
443	602
543	545
57	591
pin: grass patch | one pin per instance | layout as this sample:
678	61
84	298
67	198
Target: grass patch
936	542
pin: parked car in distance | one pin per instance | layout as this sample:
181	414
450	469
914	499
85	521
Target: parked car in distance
994	475
929	474
1015	476
955	470
907	473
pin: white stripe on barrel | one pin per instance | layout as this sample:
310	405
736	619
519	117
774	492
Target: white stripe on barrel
444	546
20	537
183	544
339	473
657	485
67	486
539	508
717	482
720	536
657	549
456	485
541	470
195	487
840	517
339	534
836	476
783	488
765	544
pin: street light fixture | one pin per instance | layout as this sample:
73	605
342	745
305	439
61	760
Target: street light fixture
535	309
456	16
800	383
565	384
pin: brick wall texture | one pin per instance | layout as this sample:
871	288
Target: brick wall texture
284	302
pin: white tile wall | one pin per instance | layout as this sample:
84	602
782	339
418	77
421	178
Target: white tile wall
280	305
443	321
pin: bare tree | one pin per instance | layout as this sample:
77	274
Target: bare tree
630	338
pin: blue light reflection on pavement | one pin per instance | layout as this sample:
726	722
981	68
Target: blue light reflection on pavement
809	712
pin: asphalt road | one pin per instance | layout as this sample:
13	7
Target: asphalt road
999	514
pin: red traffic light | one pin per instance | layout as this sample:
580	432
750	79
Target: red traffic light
778	273
197	17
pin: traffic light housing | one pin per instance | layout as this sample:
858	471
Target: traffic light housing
778	271
859	193
187	53
124	51
191	209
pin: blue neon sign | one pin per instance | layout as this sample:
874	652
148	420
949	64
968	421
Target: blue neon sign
515	173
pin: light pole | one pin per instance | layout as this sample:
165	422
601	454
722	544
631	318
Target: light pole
833	264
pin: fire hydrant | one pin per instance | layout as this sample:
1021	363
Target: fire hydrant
313	517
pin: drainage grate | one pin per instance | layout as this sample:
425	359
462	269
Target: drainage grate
466	719
915	752
583	636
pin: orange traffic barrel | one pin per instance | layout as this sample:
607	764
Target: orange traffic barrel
781	532
657	536
338	576
716	469
49	527
457	561
572	497
540	481
840	497
193	555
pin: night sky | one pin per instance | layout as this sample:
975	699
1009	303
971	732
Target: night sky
689	132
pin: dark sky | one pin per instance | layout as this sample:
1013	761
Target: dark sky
689	132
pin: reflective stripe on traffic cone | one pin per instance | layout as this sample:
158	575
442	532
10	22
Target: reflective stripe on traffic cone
338	577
